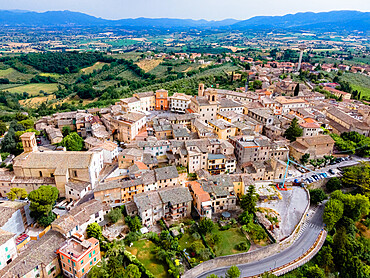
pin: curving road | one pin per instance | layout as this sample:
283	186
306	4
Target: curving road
308	235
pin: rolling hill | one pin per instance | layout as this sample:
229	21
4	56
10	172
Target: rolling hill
334	20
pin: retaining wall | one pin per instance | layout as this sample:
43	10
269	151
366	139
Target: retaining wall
244	258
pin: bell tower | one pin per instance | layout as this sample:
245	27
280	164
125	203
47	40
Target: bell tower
201	90
211	95
29	142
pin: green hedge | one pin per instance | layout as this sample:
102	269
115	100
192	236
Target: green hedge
134	260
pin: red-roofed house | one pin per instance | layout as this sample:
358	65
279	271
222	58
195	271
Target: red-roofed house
338	93
201	199
310	128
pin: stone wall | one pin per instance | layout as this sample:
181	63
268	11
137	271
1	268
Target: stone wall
244	258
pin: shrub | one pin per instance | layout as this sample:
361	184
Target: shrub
204	254
226	227
131	237
195	236
134	260
243	246
333	184
214	239
152	236
317	196
114	215
196	246
206	225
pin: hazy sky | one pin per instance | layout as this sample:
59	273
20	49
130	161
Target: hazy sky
196	9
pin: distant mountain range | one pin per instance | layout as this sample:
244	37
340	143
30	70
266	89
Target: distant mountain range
334	20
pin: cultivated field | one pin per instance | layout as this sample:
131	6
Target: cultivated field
35	101
148	65
96	66
14	75
34	89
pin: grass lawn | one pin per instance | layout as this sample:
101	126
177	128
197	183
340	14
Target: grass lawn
185	240
34	88
229	239
142	249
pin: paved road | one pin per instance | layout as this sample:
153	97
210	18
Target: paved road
308	235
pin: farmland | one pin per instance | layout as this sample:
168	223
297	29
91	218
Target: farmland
34	89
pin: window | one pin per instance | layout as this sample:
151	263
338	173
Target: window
94	252
94	259
83	270
6	249
91	263
69	260
82	261
90	255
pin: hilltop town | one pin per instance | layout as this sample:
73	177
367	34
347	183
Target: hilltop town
167	159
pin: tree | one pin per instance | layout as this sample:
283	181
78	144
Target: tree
17	193
326	258
133	223
46	220
42	200
94	230
206	225
357	176
212	276
333	184
332	213
99	270
268	275
305	158
233	272
114	215
73	142
248	202
245	218
293	131
27	124
131	237
317	196
132	271
296	90
66	130
315	272
257	84
9	144
355	206
3	128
